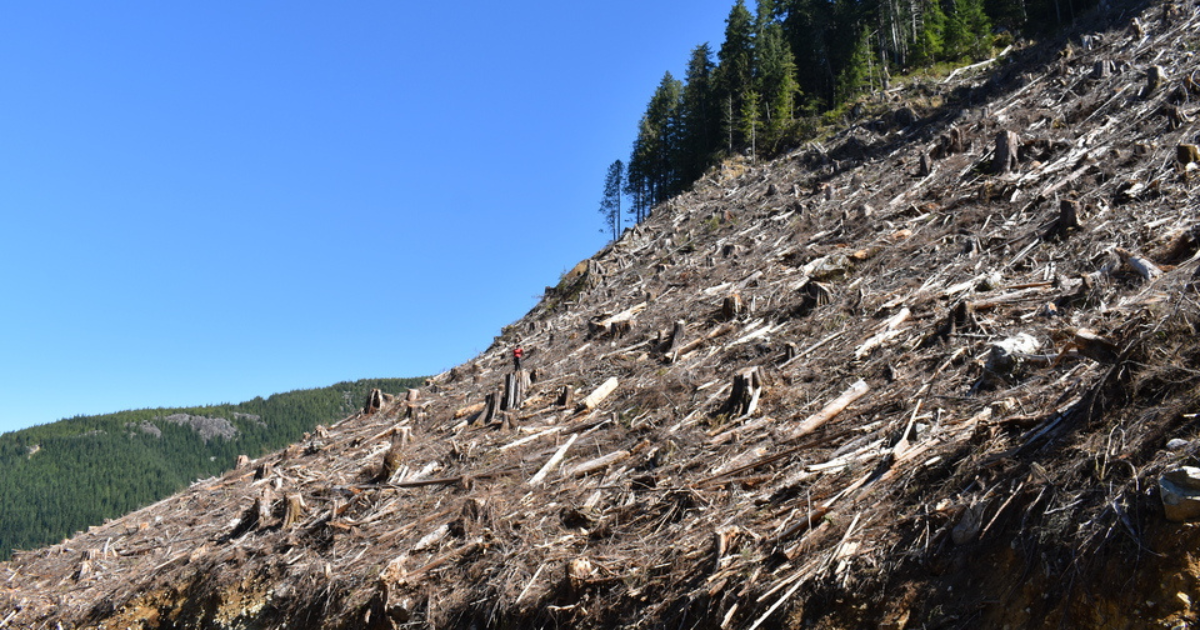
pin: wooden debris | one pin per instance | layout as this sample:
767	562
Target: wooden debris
836	406
1142	266
469	410
598	396
889	330
600	463
293	511
743	398
515	385
1005	159
616	323
732	307
1155	75
1187	154
553	462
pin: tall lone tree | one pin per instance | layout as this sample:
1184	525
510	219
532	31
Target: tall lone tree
610	203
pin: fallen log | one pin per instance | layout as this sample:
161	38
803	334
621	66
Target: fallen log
554	460
597	396
836	406
599	463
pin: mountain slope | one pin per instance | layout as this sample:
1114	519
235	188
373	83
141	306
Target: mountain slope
64	476
883	382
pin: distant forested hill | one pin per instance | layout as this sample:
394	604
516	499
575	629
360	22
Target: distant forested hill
61	477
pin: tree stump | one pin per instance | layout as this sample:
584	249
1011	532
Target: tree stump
515	386
242	462
732	306
1187	154
747	388
1155	75
375	401
676	339
1005	160
293	511
1175	116
924	167
565	394
1067	221
1103	69
489	409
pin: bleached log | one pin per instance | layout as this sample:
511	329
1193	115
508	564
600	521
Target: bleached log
609	324
836	406
553	462
1142	266
599	463
469	410
598	396
886	332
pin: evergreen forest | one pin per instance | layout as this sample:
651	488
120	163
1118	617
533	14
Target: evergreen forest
787	63
61	477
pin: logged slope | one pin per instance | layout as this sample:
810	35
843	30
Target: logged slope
952	411
61	477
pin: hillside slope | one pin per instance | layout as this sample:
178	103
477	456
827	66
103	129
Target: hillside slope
883	382
61	477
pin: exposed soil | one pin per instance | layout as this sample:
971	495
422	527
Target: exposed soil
1024	374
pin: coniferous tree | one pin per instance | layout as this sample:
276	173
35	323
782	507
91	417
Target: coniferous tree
776	81
750	121
928	46
610	203
735	72
699	133
855	76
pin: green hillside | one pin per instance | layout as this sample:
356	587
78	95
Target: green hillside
61	477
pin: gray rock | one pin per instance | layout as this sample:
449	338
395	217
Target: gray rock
1180	492
1178	444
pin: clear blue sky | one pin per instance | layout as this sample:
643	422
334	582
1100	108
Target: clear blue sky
203	202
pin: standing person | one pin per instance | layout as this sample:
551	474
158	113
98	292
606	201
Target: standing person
518	353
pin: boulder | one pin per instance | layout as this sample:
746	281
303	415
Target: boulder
1180	492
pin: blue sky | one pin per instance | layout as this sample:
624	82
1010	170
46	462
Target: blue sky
203	202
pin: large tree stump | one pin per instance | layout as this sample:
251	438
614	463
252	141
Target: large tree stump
490	404
747	388
565	394
375	401
1005	160
515	386
293	511
393	459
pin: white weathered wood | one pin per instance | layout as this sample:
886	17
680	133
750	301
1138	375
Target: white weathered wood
836	406
553	462
598	396
599	463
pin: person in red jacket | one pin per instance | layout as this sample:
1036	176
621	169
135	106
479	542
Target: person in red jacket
518	353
